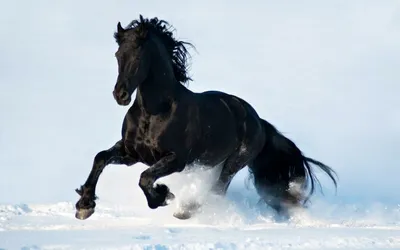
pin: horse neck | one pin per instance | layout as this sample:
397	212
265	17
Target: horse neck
159	90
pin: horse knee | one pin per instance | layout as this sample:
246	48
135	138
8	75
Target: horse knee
100	158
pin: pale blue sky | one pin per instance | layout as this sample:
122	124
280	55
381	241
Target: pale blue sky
325	73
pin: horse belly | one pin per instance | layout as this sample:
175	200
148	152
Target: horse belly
219	140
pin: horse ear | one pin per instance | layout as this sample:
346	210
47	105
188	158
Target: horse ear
141	18
119	28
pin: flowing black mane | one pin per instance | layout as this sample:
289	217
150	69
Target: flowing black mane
177	49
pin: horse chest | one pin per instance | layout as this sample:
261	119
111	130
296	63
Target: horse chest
149	131
145	132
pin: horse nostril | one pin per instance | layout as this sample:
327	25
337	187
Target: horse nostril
124	95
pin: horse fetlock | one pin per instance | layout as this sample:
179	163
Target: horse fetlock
163	190
87	199
85	191
85	202
79	191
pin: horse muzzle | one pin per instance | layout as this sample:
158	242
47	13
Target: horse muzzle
122	97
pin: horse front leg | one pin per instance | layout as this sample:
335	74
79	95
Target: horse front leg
115	155
157	196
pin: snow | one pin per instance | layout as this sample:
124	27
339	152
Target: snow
237	221
53	226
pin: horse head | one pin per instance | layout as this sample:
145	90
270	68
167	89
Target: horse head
133	58
147	45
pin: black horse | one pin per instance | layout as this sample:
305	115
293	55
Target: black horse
169	127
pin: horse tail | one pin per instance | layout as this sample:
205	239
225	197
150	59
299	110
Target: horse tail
281	173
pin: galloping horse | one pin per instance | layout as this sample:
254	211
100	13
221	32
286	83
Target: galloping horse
169	127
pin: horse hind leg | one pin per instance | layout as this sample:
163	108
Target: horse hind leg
233	164
282	192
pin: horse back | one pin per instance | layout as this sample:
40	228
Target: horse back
222	119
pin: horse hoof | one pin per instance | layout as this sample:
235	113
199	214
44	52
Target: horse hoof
187	210
84	213
183	215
